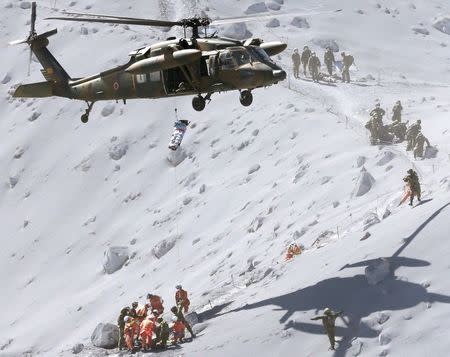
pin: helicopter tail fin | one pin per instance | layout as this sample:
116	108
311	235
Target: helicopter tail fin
52	70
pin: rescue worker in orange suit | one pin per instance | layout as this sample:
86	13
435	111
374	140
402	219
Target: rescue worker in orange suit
177	330
181	298
141	313
146	333
130	332
293	250
156	303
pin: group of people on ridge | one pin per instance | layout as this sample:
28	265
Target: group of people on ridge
312	63
143	327
397	131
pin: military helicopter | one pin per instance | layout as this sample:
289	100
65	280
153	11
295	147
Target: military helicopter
198	66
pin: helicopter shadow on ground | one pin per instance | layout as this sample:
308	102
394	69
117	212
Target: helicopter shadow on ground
356	297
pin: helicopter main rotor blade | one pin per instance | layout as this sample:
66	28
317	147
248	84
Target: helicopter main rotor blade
116	20
232	20
33	18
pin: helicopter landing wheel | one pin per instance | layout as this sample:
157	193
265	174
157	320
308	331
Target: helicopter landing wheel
84	118
246	98
198	103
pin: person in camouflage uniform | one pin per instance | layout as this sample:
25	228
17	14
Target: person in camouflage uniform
178	313
328	59
411	135
399	130
296	63
329	323
314	67
397	112
347	61
414	185
377	111
420	142
162	332
121	323
132	312
305	58
373	126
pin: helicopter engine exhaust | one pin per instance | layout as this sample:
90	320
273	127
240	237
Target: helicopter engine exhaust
165	61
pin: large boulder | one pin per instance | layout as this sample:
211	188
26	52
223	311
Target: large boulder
163	247
192	318
114	259
256	8
105	336
237	31
377	271
300	22
364	183
443	25
326	42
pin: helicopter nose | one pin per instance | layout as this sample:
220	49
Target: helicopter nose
279	75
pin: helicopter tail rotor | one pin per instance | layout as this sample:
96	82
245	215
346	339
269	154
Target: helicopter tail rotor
34	40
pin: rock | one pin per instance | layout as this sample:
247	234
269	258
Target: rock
335	204
84	31
13	181
360	161
237	31
387	156
202	189
273	6
253	169
384	339
163	247
430	152
192	318
377	271
370	220
365	236
325	42
383	317
77	348
443	25
116	152
108	109
300	22
386	213
34	116
6	79
364	183
177	157
105	336
25	5
273	23
256	224
114	259
19	152
256	8
421	30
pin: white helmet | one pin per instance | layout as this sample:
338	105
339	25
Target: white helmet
174	319
127	318
327	311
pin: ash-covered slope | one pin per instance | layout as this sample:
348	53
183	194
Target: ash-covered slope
252	180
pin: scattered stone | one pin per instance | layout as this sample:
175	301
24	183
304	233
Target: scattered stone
237	31
273	23
360	161
273	6
116	152
365	236
202	189
443	25
34	116
105	336
383	317
386	213
25	5
387	156
335	204
256	8
370	220
13	181
163	247
254	168
255	225
108	109
364	184
420	30
325	42
114	259
84	31
77	348
377	271
19	152
300	22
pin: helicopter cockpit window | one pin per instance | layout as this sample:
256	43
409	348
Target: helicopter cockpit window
234	58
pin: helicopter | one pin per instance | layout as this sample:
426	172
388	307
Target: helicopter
196	65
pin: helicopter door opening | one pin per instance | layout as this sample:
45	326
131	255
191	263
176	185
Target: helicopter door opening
174	79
